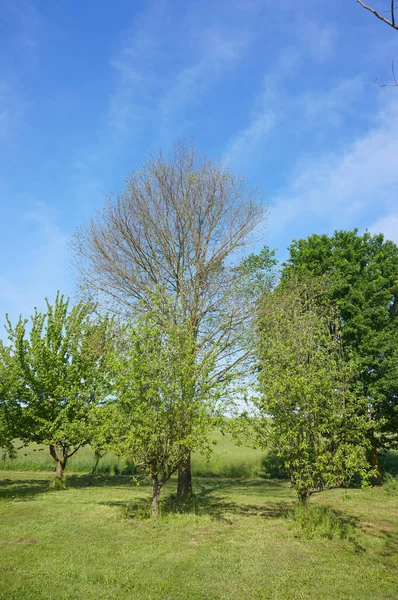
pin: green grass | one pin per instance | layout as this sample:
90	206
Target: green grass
227	460
235	542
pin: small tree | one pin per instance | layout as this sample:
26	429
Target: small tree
62	375
164	401
318	421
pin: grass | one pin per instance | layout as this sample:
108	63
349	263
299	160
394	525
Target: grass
239	536
227	460
233	540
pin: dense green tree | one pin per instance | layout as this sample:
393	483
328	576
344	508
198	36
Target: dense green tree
163	399
62	375
362	281
10	410
312	417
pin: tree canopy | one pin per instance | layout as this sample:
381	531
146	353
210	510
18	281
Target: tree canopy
361	274
61	375
312	415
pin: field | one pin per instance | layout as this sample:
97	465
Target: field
228	460
234	540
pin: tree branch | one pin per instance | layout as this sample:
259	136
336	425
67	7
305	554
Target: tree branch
391	23
394	76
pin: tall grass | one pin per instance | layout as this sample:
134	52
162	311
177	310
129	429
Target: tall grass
227	460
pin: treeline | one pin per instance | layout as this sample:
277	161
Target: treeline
174	331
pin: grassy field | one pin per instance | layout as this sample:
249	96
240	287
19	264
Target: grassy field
227	460
93	541
237	538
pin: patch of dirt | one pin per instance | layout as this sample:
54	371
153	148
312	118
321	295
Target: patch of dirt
22	540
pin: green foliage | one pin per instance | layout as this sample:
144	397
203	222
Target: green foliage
256	274
62	374
361	272
10	410
390	483
165	399
319	422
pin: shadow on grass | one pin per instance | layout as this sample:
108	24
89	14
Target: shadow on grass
23	489
26	489
207	501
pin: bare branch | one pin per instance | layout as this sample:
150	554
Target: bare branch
394	76
391	22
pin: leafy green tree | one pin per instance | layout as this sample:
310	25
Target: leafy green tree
62	375
164	399
362	281
10	410
313	418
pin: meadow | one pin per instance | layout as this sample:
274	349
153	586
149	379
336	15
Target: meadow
238	537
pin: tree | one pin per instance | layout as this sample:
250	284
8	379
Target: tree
10	411
362	281
62	375
163	402
318	419
174	230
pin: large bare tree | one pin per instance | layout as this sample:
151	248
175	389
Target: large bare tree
175	230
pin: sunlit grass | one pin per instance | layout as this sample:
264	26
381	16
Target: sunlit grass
235	541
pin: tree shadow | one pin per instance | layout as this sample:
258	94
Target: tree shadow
23	489
210	499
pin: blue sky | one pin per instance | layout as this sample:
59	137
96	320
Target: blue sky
280	91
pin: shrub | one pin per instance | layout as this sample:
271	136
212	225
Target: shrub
391	484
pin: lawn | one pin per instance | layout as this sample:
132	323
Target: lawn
88	542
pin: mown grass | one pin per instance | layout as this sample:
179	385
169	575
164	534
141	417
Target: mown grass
234	541
227	460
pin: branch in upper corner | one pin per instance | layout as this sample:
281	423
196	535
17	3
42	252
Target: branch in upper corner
391	23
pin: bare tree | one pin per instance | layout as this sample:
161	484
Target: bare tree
174	231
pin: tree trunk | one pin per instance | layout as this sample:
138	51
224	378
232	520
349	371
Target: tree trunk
184	486
303	495
61	464
374	463
155	496
60	460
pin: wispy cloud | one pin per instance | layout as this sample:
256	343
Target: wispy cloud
218	51
266	113
43	269
387	225
345	188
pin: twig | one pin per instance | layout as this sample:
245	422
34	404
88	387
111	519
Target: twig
395	84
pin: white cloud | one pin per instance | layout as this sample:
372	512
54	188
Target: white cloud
388	226
342	188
